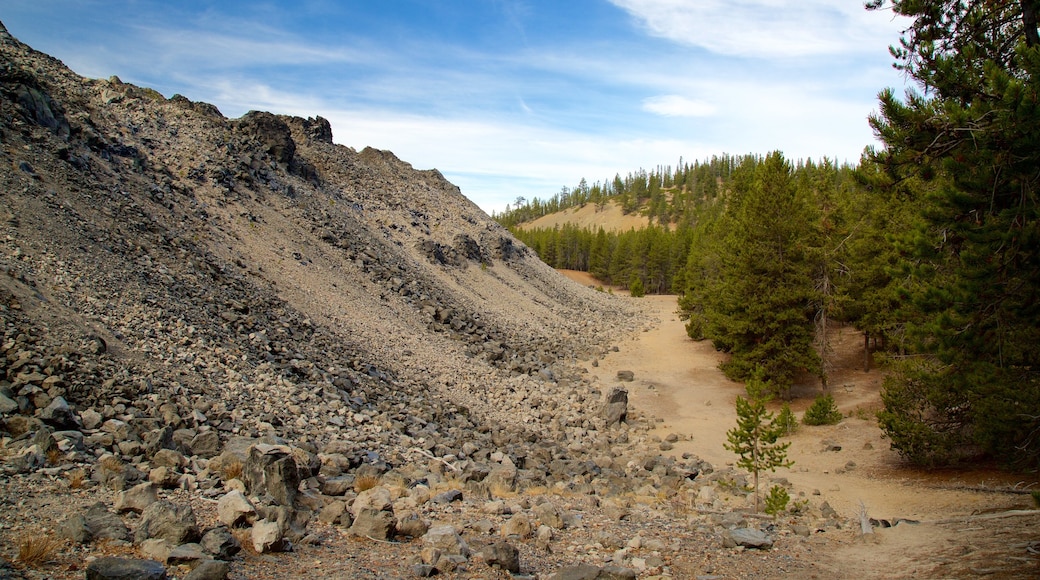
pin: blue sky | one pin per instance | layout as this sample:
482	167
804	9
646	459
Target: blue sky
507	98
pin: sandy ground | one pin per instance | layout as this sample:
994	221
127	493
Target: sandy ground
677	381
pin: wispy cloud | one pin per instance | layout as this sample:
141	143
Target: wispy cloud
677	106
763	28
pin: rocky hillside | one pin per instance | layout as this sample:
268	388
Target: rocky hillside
242	332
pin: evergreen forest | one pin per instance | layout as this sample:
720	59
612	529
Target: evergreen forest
929	245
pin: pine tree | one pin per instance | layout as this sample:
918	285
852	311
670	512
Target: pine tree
755	437
760	311
972	263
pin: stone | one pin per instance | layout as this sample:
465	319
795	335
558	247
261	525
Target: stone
7	405
112	568
103	524
59	414
90	419
519	525
578	572
412	525
235	509
272	470
172	522
337	486
751	538
503	477
155	549
205	444
74	529
547	514
502	555
626	376
447	497
543	537
377	498
446	540
423	570
220	543
189	554
170	459
267	536
209	570
615	411
137	498
331	513
373	524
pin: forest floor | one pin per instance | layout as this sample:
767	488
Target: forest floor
972	522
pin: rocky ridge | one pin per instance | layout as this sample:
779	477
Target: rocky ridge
237	335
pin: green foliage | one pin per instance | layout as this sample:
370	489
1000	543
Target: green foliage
823	411
754	439
635	289
1035	494
776	501
968	152
786	420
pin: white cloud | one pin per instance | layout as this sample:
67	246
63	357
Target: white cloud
766	28
677	106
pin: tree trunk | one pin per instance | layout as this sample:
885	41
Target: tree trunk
1029	22
866	352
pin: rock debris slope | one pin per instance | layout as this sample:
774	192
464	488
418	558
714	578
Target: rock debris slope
255	272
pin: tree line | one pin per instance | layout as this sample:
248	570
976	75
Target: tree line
930	245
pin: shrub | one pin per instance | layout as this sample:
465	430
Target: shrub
636	288
822	412
777	499
786	420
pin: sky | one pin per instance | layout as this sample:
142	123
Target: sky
507	98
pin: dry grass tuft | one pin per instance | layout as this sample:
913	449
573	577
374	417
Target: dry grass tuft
55	456
232	469
502	491
36	550
76	478
111	463
245	539
365	482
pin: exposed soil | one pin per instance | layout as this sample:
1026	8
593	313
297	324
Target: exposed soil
678	381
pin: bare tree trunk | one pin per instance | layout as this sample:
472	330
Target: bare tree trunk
866	352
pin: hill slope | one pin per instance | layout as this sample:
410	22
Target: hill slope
264	249
610	218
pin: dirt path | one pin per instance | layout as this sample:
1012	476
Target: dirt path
677	381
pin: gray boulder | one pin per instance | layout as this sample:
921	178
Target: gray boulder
209	570
373	524
111	568
503	555
137	498
220	543
168	521
751	538
234	509
272	470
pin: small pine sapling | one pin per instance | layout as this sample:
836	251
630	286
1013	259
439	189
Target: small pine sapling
754	438
777	499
